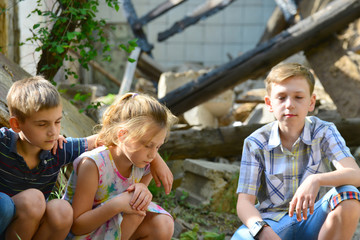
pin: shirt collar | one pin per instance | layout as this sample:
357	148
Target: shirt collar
44	154
274	139
13	141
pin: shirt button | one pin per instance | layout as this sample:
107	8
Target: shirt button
45	162
294	178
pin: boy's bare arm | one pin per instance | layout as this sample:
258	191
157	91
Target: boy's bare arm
248	214
91	140
347	173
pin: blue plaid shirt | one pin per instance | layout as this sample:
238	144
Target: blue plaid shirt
273	173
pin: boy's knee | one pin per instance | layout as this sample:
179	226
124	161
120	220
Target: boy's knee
59	214
30	204
348	209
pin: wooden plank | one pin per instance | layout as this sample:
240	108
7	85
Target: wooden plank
209	8
149	68
157	12
305	34
4	38
139	33
228	141
129	72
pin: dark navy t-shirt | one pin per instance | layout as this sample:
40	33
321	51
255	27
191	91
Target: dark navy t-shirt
15	175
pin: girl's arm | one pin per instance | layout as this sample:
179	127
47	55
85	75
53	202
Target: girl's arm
87	219
142	196
161	173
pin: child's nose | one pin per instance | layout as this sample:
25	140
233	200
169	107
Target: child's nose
289	103
51	130
152	153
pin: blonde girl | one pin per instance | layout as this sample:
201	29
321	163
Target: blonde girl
108	188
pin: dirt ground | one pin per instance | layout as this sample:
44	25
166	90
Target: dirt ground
196	222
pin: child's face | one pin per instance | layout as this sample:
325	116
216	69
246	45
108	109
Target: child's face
142	153
42	129
290	101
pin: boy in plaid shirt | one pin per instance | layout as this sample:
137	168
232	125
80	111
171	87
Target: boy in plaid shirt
286	164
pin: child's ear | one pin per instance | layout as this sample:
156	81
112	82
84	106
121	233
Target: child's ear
312	103
14	124
121	133
268	103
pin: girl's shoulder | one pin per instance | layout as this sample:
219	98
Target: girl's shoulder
99	155
95	152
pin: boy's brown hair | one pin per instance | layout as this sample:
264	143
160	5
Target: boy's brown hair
31	95
283	71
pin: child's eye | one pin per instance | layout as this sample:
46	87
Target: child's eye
299	97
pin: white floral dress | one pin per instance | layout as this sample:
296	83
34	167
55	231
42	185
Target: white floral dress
111	183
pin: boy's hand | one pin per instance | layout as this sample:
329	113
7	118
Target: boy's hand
141	198
161	173
304	198
60	143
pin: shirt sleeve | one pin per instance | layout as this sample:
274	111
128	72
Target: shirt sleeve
250	169
333	145
72	149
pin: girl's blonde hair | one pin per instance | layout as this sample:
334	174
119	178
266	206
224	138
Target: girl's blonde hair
139	114
283	71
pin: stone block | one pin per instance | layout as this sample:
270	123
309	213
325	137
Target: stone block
200	117
221	104
204	115
260	115
203	180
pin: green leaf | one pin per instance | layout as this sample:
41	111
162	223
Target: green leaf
36	26
133	42
60	49
131	60
70	35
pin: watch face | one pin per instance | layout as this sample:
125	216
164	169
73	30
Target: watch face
256	228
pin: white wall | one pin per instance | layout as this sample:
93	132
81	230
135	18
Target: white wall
234	30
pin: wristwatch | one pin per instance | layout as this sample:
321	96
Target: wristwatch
256	228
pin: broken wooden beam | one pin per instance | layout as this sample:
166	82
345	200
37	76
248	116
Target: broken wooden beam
131	16
157	12
209	8
289	9
149	68
305	34
228	141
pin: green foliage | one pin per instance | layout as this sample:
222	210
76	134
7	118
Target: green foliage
59	190
213	236
72	25
190	235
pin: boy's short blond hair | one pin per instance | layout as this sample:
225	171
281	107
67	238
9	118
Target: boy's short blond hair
30	95
283	71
